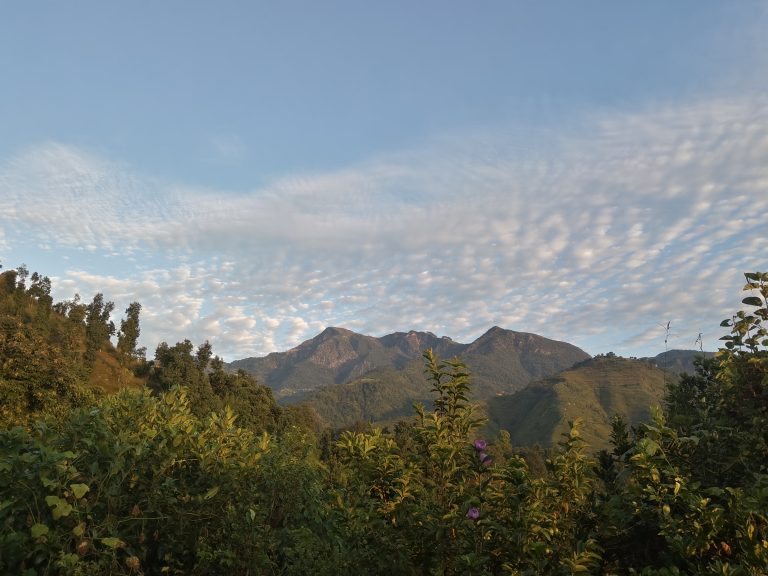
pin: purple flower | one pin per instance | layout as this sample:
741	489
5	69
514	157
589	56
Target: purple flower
485	460
480	444
473	513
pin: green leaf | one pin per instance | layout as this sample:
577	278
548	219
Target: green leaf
651	447
79	490
60	507
752	301
211	493
63	509
79	530
38	530
113	542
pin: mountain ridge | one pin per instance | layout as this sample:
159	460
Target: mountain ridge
527	384
502	360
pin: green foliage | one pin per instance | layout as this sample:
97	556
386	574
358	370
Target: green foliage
443	507
129	331
689	496
210	388
203	474
145	482
98	327
42	368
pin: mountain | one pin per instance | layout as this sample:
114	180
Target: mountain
338	356
349	377
503	361
678	361
593	390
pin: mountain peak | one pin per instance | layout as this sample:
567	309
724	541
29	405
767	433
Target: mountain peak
499	331
502	360
332	331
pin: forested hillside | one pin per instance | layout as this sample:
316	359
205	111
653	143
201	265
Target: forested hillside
594	391
56	356
200	472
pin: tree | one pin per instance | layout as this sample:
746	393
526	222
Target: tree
22	272
98	327
203	355
128	336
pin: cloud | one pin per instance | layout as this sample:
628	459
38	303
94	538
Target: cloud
594	235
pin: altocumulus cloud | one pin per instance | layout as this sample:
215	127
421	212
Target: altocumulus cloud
595	235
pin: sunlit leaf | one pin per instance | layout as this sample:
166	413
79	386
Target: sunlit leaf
79	490
63	509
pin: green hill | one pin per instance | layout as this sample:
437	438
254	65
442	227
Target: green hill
593	390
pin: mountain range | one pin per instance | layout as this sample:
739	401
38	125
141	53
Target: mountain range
525	383
501	361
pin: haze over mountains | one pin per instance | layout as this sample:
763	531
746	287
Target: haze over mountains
526	383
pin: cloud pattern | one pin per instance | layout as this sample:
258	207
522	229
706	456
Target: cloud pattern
597	234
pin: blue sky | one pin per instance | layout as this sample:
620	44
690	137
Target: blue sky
252	172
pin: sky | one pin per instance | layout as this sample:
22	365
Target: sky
252	172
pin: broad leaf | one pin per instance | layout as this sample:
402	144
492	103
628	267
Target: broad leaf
38	530
79	490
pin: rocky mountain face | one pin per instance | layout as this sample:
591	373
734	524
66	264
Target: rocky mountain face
501	361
